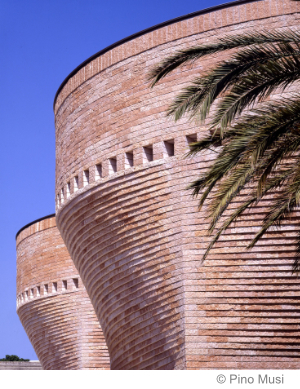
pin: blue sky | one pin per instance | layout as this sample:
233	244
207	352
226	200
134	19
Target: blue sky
41	43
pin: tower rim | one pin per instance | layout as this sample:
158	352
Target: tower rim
146	31
33	222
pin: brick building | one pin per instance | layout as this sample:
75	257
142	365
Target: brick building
132	229
16	365
52	302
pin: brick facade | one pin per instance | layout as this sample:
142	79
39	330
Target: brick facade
30	365
133	231
52	302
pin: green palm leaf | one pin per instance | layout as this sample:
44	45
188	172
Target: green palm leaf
196	99
223	44
257	143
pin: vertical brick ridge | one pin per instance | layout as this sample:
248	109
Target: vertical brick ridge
53	305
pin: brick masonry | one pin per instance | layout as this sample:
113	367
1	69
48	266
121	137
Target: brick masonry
136	236
53	305
31	365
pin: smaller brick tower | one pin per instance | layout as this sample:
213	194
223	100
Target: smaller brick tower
52	303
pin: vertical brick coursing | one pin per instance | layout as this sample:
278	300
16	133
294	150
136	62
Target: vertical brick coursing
53	305
136	236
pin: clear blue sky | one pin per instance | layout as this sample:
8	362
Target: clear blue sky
42	41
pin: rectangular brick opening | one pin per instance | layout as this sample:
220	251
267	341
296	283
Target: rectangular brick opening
76	282
191	139
128	159
45	289
98	173
38	291
112	165
75	183
86	177
31	293
26	295
54	287
64	285
169	148
62	197
68	189
148	153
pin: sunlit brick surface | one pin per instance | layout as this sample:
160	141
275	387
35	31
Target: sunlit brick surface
53	304
136	236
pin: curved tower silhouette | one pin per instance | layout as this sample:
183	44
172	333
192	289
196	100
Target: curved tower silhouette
133	230
52	302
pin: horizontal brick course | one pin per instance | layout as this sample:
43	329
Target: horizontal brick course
31	365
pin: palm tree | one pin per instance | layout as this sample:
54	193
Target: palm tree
259	138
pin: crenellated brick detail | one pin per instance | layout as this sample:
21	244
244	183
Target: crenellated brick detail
53	304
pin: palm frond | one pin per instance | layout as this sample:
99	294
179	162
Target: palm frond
223	44
246	205
227	223
197	99
259	157
285	203
266	139
254	88
227	191
250	138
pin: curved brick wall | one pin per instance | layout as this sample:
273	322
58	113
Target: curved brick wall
52	303
134	232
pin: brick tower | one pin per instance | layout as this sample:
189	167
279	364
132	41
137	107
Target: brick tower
132	229
52	302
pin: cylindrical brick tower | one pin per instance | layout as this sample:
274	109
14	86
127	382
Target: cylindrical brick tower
133	230
53	304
